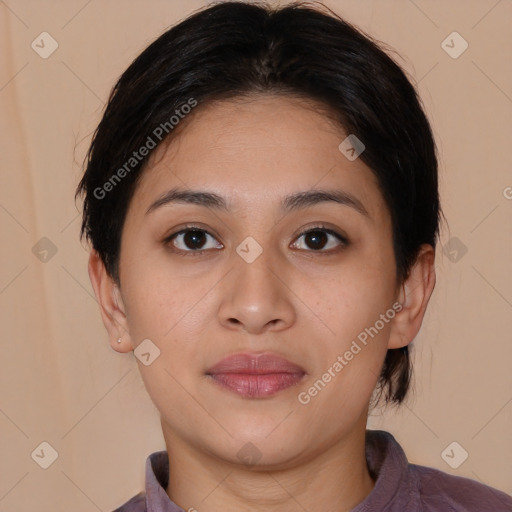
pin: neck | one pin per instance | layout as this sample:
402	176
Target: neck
334	479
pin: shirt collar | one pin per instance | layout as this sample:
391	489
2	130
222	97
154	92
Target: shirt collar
386	461
157	478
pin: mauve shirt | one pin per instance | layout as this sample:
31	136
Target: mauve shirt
399	486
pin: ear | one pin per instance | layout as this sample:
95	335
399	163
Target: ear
414	295
111	304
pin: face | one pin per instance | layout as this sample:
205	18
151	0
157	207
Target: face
259	274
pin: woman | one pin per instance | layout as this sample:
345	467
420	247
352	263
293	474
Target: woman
262	202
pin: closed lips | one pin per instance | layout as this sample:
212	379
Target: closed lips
252	364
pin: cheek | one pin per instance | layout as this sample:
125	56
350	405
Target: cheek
166	305
351	354
356	345
351	303
353	296
150	303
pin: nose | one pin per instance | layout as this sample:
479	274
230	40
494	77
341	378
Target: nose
256	297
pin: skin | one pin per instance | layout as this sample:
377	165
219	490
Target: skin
293	300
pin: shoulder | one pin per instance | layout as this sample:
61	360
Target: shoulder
402	486
135	504
441	491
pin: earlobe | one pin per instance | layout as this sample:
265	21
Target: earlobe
414	296
112	308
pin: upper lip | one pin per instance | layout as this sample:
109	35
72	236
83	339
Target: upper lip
255	364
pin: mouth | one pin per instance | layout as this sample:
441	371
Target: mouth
255	376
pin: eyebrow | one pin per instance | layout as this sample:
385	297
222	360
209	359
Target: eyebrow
292	202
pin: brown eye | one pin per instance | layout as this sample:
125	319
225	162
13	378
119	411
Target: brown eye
321	240
192	240
316	239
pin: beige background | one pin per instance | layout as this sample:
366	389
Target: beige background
59	380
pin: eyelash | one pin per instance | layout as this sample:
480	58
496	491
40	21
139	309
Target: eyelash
316	228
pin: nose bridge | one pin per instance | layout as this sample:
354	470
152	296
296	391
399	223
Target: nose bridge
256	298
255	267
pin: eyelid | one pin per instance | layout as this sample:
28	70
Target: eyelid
344	241
184	229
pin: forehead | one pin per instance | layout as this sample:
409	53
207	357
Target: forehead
256	150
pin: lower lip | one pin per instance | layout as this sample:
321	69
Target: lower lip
256	386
